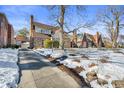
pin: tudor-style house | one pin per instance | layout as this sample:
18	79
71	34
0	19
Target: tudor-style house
89	40
40	32
6	31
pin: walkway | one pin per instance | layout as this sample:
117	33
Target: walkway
37	73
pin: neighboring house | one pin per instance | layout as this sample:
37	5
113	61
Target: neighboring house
92	40
86	40
19	39
6	31
10	35
40	32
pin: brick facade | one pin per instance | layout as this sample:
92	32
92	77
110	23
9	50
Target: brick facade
92	40
40	32
6	31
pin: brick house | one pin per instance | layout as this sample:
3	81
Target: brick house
19	39
89	40
40	32
6	31
10	34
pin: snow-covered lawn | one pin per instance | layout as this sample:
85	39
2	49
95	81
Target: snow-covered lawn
54	54
9	71
112	67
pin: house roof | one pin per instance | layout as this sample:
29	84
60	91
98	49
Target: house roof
20	38
46	27
92	38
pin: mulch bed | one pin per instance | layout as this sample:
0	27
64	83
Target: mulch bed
74	73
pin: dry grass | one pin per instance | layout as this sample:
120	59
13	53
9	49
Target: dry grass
92	65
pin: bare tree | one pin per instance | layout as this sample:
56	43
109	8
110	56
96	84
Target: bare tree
60	16
112	19
61	23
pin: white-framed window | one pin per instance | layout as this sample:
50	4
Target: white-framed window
43	31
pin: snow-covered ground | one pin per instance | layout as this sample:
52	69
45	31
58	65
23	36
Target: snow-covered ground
90	60
9	71
53	53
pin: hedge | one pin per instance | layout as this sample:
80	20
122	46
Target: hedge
49	43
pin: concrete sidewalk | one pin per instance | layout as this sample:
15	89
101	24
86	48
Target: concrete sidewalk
36	73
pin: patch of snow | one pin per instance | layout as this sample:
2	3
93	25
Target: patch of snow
9	71
115	72
117	58
94	84
85	63
83	74
52	53
70	63
57	53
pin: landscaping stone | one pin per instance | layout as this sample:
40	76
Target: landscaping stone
92	73
102	81
76	60
84	57
103	60
91	76
79	69
92	65
72	55
118	83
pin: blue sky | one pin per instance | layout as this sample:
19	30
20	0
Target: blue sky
19	16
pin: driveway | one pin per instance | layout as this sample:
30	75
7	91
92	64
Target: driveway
37	72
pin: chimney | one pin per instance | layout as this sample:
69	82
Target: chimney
31	21
31	32
31	25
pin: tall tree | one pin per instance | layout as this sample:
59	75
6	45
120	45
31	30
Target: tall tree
112	18
61	23
61	15
23	32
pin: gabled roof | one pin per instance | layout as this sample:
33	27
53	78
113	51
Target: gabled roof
92	38
20	38
46	27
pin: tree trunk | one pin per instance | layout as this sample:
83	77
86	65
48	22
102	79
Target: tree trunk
117	29
116	33
62	13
